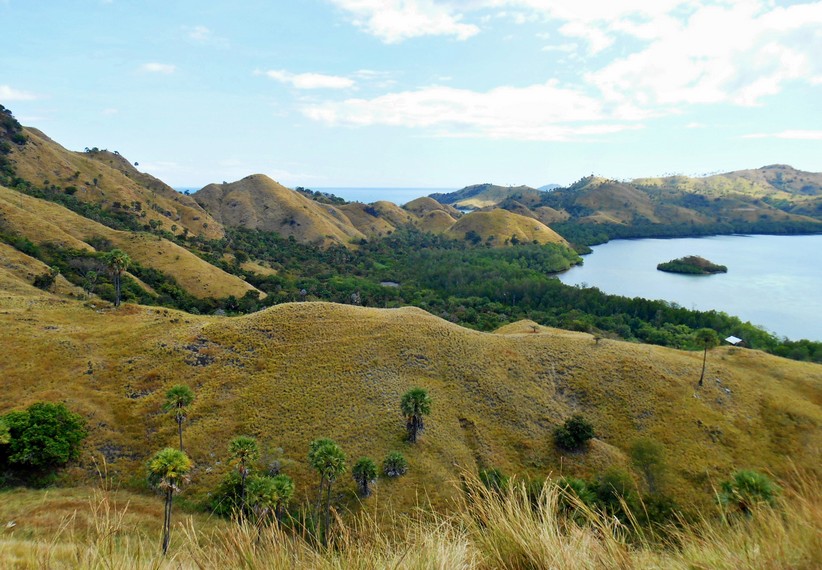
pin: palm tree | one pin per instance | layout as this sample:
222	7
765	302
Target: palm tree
746	489
167	471
269	495
415	404
394	464
117	261
244	452
328	459
707	338
177	399
364	473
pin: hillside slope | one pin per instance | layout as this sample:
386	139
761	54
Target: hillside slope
486	195
257	202
110	181
43	222
503	227
301	371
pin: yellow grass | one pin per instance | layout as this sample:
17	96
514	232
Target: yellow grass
297	372
258	202
42	159
46	222
485	530
504	225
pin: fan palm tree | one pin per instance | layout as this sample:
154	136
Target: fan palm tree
270	495
415	404
364	473
177	399
167	471
328	459
244	452
117	261
708	339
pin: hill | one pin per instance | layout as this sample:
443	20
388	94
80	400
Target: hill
108	180
257	202
502	227
301	371
485	195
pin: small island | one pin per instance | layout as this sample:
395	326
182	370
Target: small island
692	265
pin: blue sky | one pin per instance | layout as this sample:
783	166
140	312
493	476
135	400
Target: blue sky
420	93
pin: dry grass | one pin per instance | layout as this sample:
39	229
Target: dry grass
47	222
489	531
301	371
504	225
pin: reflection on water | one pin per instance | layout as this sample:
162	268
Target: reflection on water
772	281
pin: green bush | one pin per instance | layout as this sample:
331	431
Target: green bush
573	434
40	439
746	489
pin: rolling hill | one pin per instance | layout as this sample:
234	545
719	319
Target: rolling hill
300	371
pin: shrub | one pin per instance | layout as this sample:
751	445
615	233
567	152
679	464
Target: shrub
748	488
493	479
394	464
43	437
573	434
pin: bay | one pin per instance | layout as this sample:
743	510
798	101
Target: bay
774	282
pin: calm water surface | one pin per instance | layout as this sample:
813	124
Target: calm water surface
773	281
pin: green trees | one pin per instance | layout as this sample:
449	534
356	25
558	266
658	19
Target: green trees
117	261
167	471
41	438
706	338
244	452
415	404
327	459
394	464
746	489
364	473
573	434
177	399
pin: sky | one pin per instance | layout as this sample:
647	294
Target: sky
420	93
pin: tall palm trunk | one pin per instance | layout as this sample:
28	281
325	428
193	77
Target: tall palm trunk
704	360
180	429
327	514
117	289
167	521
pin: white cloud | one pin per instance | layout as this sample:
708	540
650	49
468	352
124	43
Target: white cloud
702	62
8	93
203	35
164	68
789	134
396	20
538	112
309	80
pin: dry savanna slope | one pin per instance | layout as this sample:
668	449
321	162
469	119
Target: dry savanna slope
297	372
502	226
43	222
487	195
257	202
109	180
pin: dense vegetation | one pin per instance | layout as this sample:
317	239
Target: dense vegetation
478	287
691	265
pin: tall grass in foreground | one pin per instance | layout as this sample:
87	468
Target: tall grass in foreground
489	529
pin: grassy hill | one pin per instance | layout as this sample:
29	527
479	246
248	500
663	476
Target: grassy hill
258	202
45	222
503	227
486	195
108	180
297	372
